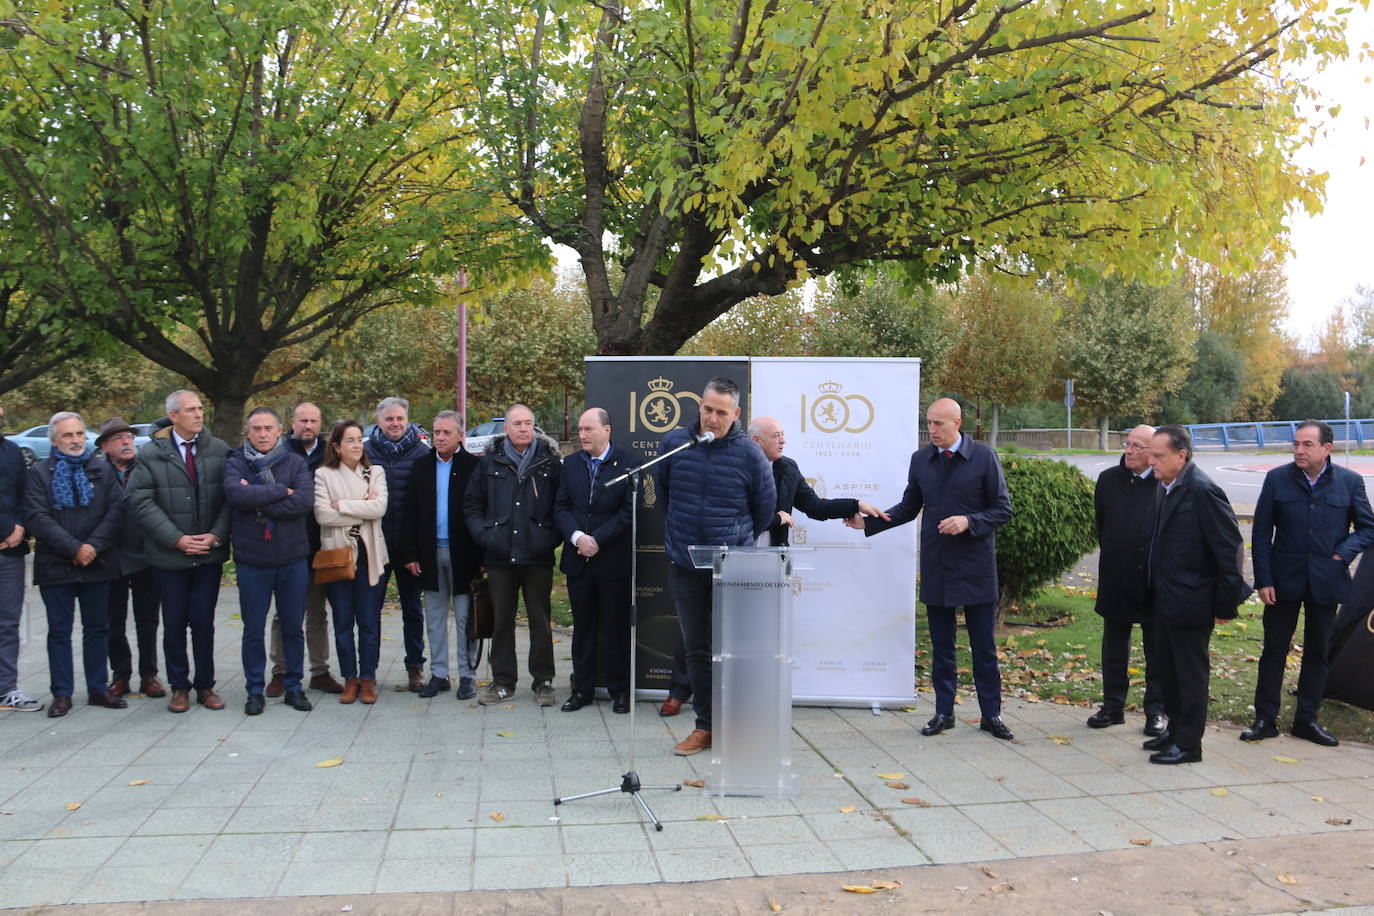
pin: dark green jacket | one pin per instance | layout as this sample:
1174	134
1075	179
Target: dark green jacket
166	506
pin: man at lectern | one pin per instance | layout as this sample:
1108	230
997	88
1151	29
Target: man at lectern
718	493
958	483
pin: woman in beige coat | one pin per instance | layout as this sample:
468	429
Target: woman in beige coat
350	500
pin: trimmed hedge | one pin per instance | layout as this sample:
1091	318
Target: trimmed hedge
1051	526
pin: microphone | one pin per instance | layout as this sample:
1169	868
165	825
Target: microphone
704	438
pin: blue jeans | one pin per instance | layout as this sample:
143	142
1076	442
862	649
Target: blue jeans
188	602
981	620
257	584
95	606
356	603
692	597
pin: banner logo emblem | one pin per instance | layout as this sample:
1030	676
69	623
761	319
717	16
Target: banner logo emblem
831	413
660	410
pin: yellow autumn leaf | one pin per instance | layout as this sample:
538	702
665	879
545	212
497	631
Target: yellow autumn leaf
1058	739
711	817
774	905
505	734
1287	879
331	762
1219	792
886	885
1284	758
891	775
989	872
1317	798
857	888
848	809
73	806
497	816
138	782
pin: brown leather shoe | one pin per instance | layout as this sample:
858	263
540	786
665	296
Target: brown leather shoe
59	707
367	691
152	687
275	687
350	691
698	741
326	683
180	701
108	699
119	688
417	679
209	699
671	707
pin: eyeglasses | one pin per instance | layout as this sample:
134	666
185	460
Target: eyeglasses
1132	447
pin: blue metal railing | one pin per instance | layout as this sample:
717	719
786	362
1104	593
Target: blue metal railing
1274	434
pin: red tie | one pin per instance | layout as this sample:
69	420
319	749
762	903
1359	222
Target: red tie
947	453
190	461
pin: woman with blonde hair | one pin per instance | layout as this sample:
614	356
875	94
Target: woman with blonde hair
350	500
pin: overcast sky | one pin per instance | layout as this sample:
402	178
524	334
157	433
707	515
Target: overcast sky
1334	250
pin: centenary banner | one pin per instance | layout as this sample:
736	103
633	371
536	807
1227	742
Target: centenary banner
851	426
647	397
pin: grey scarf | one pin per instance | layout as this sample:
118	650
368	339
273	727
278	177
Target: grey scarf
522	461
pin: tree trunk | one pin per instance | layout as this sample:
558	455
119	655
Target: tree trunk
1102	433
996	424
229	405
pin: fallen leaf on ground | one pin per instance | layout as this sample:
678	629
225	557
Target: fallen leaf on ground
1284	758
1317	798
1141	841
1002	888
857	888
505	734
331	762
695	783
909	709
918	802
1338	821
848	809
1220	791
711	817
891	775
774	905
138	782
898	785
887	885
989	872
73	806
1287	879
497	816
1059	739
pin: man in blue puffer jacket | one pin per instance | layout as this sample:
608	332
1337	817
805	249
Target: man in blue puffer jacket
719	493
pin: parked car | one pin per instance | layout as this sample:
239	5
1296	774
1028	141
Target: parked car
481	435
35	444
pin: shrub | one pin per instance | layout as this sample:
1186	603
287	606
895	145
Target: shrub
1051	526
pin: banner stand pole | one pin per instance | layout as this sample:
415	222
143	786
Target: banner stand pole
629	782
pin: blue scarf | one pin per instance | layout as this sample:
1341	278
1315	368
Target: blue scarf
262	473
395	449
70	485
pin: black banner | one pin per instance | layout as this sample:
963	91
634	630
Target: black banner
646	397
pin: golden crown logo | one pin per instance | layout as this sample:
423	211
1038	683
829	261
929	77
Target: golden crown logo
831	387
830	413
661	409
660	384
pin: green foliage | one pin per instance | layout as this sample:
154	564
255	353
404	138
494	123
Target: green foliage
1212	390
1007	339
1306	393
1051	527
717	151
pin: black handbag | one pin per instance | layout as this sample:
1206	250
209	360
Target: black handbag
481	618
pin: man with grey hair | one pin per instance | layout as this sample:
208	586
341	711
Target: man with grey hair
437	548
509	511
1195	574
1125	505
177	495
396	444
73	509
14	545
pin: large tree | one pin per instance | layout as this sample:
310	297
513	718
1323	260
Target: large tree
696	154
264	173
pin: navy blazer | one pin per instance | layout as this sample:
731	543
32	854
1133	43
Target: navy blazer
1198	574
1298	529
961	569
601	511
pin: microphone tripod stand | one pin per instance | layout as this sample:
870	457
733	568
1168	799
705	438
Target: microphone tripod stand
629	782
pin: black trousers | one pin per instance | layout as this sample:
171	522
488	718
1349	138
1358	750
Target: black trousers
142	585
601	613
1280	622
1116	658
1184	672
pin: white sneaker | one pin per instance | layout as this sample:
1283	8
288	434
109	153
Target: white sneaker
16	701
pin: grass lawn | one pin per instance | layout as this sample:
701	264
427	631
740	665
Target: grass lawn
1051	652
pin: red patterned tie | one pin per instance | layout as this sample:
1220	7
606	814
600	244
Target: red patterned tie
190	460
947	453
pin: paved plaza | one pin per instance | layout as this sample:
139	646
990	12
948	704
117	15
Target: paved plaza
442	795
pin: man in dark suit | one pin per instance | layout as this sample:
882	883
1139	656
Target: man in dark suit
793	490
1125	504
594	521
437	549
958	482
1311	521
1196	559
